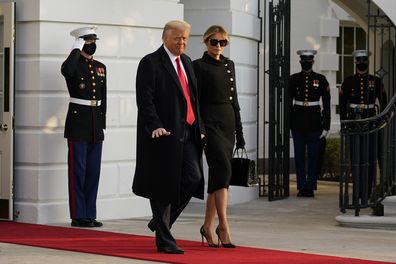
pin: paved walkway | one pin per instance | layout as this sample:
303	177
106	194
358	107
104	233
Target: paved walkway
294	224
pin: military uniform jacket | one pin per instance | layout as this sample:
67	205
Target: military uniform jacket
85	79
306	88
362	91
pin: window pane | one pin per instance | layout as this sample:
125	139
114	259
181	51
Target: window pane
348	40
348	66
360	38
339	72
339	42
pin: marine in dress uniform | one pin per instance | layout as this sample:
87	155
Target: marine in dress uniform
85	121
359	96
309	121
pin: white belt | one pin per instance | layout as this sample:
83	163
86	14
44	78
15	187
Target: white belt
362	106
303	103
85	102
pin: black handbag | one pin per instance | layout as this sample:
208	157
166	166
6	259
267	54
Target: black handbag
243	169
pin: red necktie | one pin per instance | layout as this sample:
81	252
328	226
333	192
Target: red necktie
186	91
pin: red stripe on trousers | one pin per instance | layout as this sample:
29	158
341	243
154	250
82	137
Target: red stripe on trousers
71	181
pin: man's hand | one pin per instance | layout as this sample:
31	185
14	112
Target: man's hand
324	134
78	44
159	132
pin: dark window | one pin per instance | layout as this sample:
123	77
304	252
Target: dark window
351	38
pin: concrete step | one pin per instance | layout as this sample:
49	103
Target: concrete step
388	221
368	221
390	205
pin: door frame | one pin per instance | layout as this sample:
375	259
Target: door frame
7	11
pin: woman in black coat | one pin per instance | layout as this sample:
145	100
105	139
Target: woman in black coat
221	117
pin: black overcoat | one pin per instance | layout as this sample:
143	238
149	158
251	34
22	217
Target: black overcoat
161	104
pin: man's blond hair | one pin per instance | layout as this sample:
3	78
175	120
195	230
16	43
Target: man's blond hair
176	25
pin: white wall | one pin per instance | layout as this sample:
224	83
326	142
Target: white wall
240	19
318	31
128	30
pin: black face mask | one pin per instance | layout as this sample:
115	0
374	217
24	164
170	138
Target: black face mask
362	66
89	48
306	65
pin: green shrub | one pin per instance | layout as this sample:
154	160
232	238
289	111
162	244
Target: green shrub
330	170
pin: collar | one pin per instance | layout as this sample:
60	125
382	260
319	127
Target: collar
172	57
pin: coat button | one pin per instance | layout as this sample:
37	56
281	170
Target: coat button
230	98
231	79
181	139
232	88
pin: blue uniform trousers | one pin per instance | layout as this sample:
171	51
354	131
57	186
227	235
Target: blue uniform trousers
84	160
306	143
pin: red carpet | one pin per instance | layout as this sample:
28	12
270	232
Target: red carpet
142	247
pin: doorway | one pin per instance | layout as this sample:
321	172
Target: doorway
7	47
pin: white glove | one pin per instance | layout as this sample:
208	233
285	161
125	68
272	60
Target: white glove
78	44
324	134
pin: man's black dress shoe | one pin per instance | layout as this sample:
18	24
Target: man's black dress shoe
82	223
301	193
96	223
151	226
171	250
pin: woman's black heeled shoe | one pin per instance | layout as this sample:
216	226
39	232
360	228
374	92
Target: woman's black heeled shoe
203	235
224	245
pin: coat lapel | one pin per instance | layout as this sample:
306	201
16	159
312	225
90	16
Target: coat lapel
189	71
171	70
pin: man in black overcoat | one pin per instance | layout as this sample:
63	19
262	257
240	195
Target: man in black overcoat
169	134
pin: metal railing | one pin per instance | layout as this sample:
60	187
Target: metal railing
368	160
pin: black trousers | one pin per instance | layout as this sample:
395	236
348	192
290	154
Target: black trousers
165	213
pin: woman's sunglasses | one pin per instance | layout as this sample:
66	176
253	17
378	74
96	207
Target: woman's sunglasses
222	42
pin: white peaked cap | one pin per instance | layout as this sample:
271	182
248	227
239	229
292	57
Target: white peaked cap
84	31
307	52
361	53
